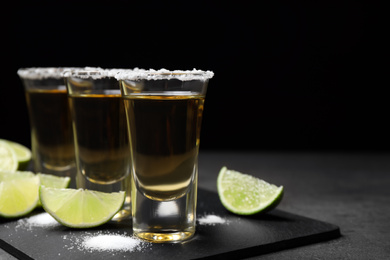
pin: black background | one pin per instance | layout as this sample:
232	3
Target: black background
291	76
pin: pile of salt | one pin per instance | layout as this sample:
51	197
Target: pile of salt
211	220
39	220
109	242
104	241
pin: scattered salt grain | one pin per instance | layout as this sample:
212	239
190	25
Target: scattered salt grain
211	220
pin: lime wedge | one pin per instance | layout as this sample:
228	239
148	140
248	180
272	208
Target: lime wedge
78	208
18	193
244	194
53	181
8	159
12	175
23	154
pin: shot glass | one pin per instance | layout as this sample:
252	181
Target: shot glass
100	133
164	113
50	121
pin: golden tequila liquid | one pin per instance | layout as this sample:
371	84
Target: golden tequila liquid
51	130
165	131
101	143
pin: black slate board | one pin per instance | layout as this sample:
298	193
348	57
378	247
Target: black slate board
240	237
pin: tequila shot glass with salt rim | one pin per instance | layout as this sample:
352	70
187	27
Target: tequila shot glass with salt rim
164	113
100	133
50	120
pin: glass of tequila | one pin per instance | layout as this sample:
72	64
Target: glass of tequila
164	113
100	133
50	120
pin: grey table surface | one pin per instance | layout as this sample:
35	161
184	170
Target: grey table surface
350	190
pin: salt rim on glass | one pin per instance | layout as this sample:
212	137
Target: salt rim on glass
88	73
39	73
151	74
96	72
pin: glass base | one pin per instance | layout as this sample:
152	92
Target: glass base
172	221
57	168
124	213
165	237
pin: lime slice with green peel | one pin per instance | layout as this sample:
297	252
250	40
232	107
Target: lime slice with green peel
19	193
8	159
12	175
53	181
78	208
244	194
23	154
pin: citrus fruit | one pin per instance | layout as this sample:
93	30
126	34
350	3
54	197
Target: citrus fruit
244	194
23	154
12	175
18	193
78	208
53	181
8	159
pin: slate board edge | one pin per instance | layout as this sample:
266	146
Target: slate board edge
278	246
14	251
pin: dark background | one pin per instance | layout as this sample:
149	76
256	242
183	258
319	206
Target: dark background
291	76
